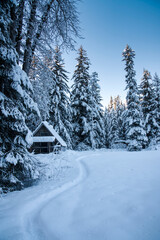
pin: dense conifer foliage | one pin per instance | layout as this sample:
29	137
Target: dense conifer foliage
59	104
80	102
15	104
27	31
148	105
135	133
97	123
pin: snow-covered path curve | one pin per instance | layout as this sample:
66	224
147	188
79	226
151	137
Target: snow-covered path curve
116	196
20	211
32	222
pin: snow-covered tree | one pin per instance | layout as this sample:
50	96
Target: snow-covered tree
106	127
16	166
148	103
42	24
80	103
156	89
114	121
42	78
135	134
111	103
113	127
120	114
59	104
97	123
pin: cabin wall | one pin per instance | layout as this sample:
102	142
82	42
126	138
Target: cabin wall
42	147
46	147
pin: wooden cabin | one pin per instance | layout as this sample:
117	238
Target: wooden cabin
46	140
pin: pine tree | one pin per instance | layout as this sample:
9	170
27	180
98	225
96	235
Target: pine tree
111	103
114	121
156	89
120	112
42	78
112	125
107	127
135	133
148	104
59	105
15	103
113	128
80	103
97	124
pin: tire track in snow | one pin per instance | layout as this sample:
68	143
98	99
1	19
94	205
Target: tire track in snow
30	214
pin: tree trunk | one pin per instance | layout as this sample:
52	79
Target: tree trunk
30	48
30	30
19	25
44	19
13	24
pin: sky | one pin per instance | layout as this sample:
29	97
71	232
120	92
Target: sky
107	27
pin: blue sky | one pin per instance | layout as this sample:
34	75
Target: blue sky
107	26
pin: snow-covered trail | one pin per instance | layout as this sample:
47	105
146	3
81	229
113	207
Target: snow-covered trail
19	211
115	196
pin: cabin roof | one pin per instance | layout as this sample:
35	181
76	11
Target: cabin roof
52	131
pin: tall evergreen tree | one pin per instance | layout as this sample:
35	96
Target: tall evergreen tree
113	127
156	89
80	102
42	78
59	105
97	123
110	131
120	113
106	127
135	132
148	106
15	103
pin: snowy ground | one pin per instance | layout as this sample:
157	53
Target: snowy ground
101	195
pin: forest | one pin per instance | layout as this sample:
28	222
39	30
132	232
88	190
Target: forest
34	88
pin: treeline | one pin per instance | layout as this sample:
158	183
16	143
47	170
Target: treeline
135	124
77	113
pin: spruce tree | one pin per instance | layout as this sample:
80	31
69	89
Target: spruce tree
97	123
80	103
120	109
156	89
135	132
113	128
107	127
110	124
59	104
42	78
15	103
148	103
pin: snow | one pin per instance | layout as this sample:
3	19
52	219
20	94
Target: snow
43	139
29	138
102	194
11	159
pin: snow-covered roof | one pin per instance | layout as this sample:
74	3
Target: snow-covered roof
43	139
52	131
